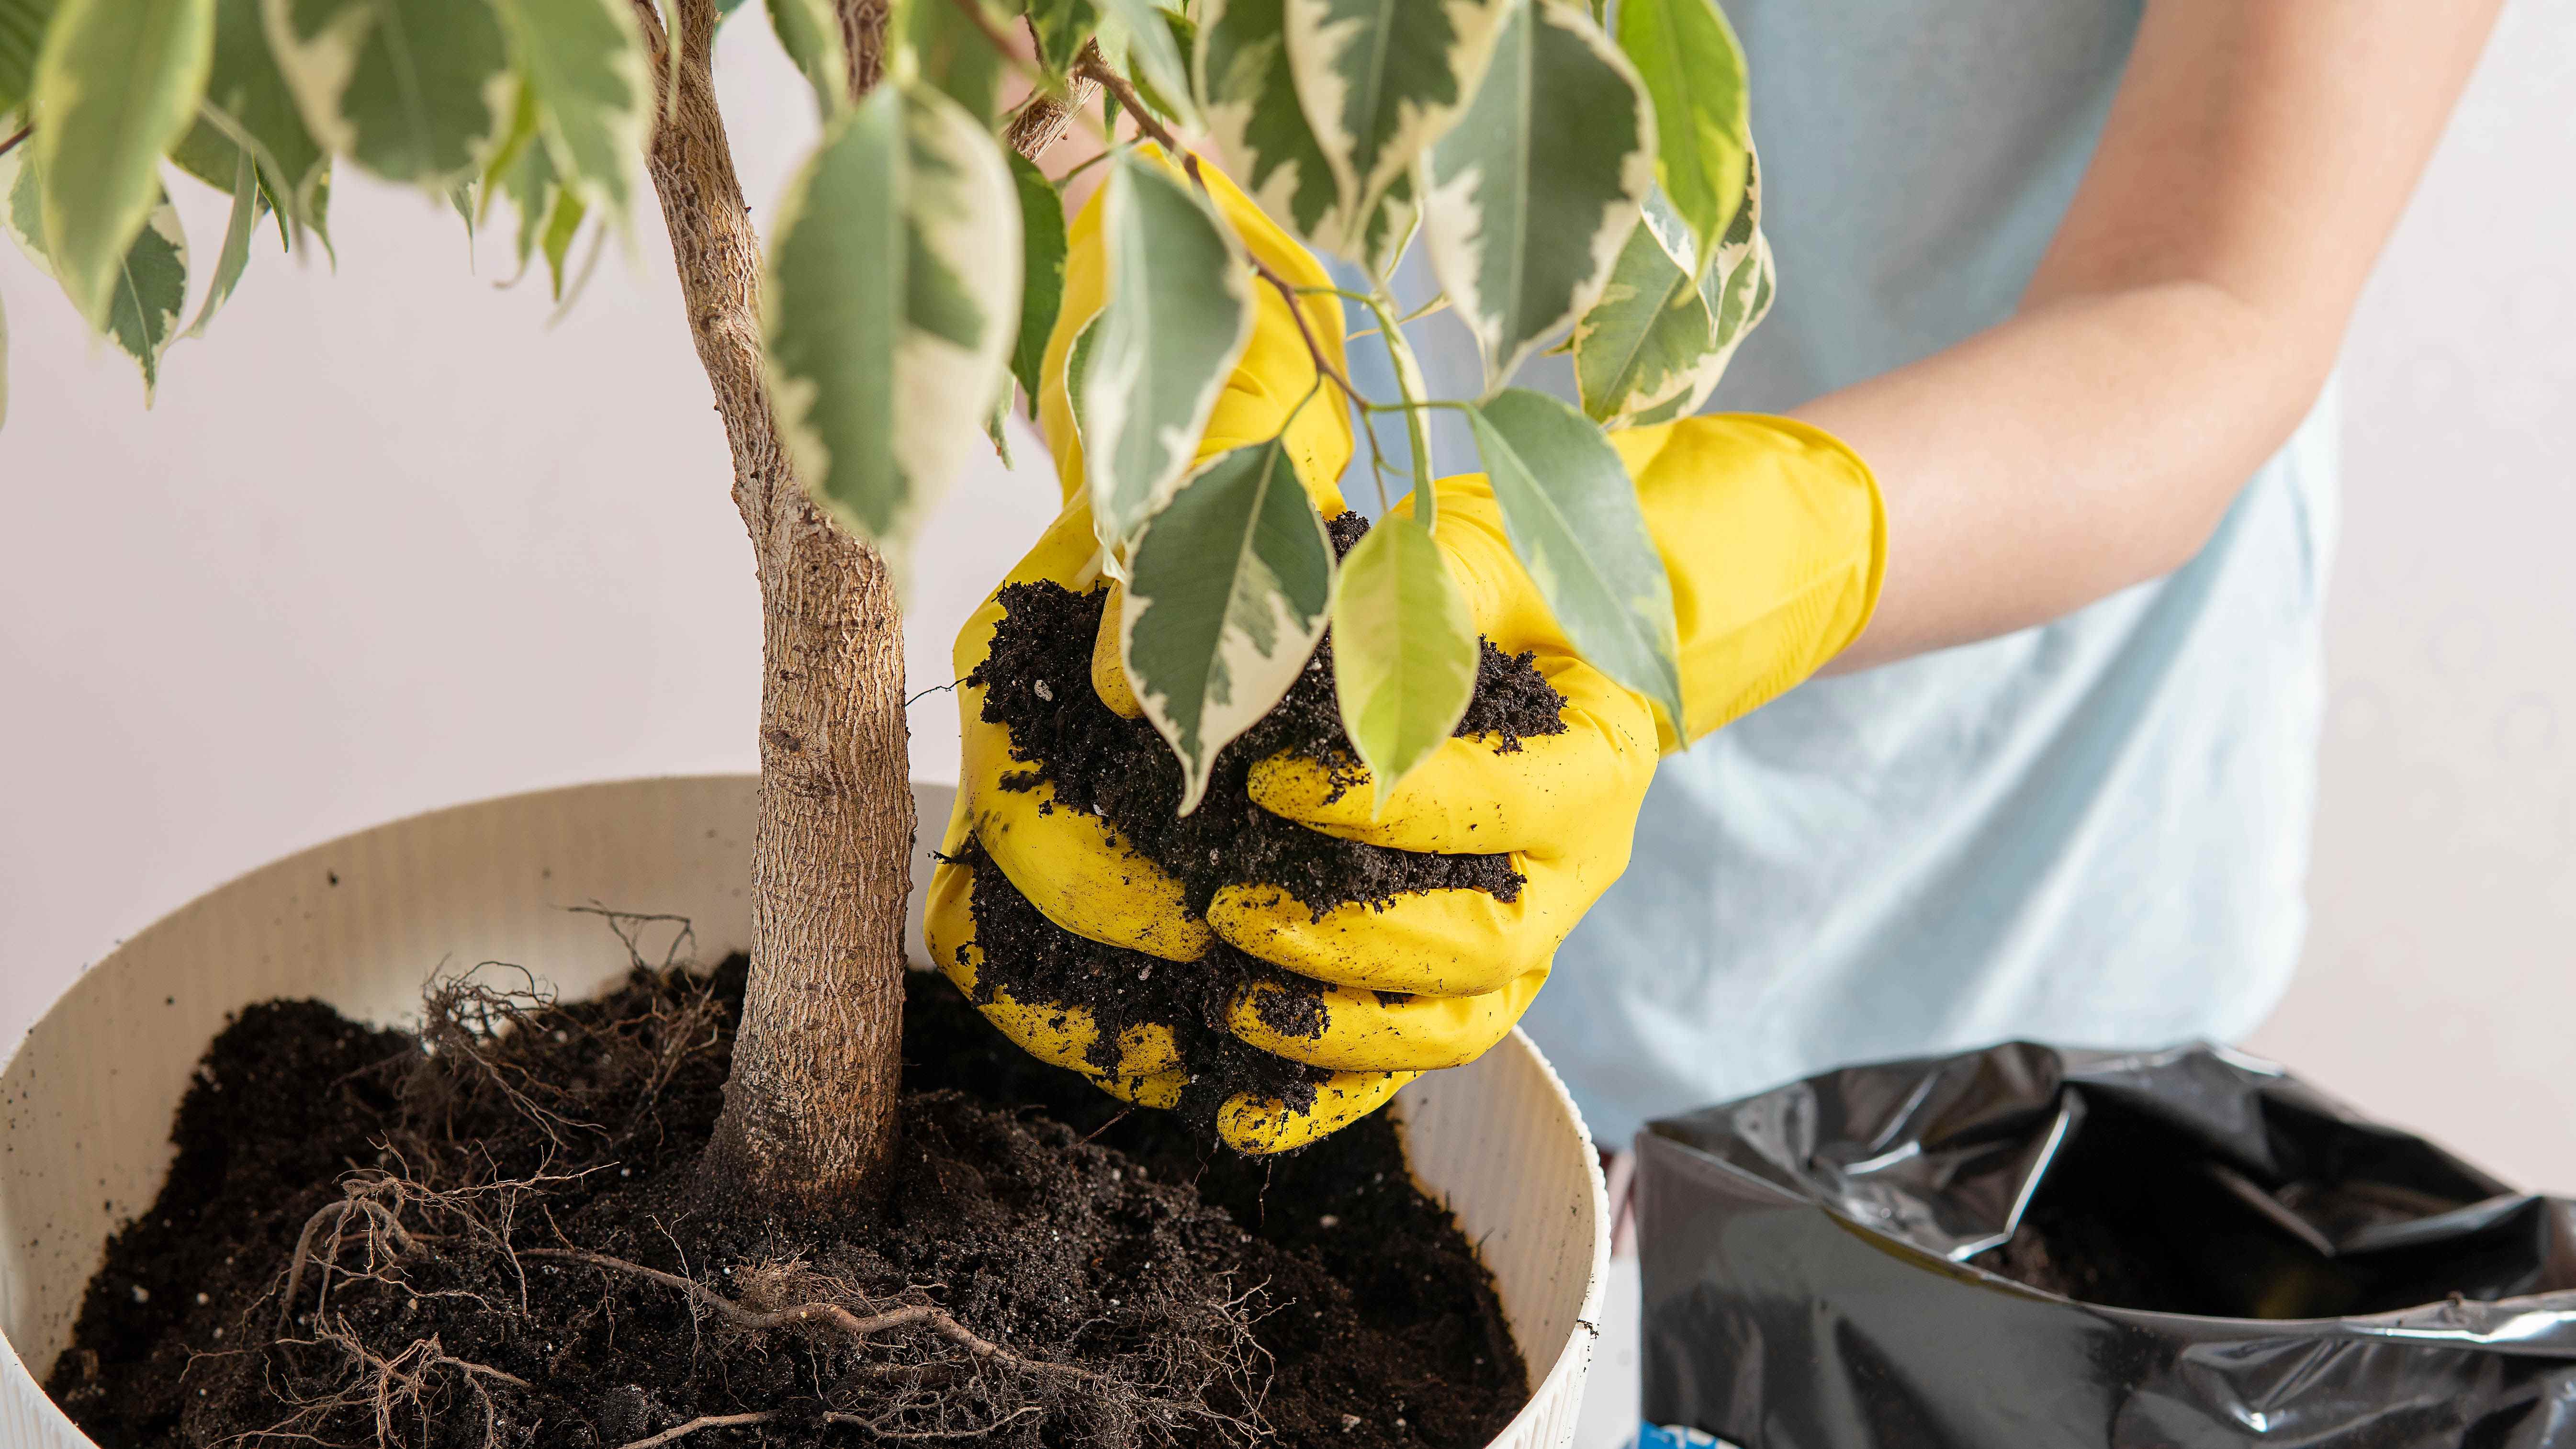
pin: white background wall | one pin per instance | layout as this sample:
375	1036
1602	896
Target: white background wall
389	542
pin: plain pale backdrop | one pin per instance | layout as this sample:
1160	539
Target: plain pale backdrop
388	541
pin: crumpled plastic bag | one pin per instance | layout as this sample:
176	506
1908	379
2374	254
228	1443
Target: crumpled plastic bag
2240	1260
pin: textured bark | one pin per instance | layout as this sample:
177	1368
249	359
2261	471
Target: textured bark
810	1110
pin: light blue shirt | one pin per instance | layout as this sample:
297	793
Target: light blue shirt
2090	833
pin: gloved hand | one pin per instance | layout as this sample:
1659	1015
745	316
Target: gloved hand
1772	536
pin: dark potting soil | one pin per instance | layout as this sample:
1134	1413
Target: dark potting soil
508	1245
1037	681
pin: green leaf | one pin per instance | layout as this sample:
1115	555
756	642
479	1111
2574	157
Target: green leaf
1062	26
1532	193
810	32
149	283
1572	516
117	83
1077	366
525	172
1249	96
581	62
245	87
1687	55
413	90
1656	344
1226	595
953	53
1379	81
891	304
1179	312
1391	228
1404	649
1042	253
237	234
563	226
22	34
1153	53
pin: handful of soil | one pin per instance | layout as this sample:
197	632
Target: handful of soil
1037	681
494	1234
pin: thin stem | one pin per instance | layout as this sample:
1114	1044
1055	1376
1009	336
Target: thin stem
12	143
1408	381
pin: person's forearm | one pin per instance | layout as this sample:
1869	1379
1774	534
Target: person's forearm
2089	443
2185	315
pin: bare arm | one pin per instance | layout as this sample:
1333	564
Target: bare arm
2180	325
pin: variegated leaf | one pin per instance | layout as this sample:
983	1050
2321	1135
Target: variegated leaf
117	84
1572	515
1062	26
892	304
150	282
253	110
1178	313
1531	195
1404	649
1391	228
1249	97
1656	344
413	90
582	64
1042	254
1153	54
1226	595
564	216
22	34
810	32
1379	80
1690	62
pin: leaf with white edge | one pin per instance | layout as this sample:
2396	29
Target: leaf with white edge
230	262
1379	81
1391	228
582	63
891	305
952	52
810	32
1657	343
1179	312
1534	191
1572	515
22	34
1689	60
1153	53
1404	649
117	84
1077	366
526	176
255	112
1227	594
1042	253
1249	96
150	280
415	91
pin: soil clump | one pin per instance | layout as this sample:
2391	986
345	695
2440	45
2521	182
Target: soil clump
493	1234
1036	679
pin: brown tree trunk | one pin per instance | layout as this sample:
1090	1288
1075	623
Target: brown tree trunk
810	1110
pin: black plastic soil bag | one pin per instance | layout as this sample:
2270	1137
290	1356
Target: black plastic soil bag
2243	1261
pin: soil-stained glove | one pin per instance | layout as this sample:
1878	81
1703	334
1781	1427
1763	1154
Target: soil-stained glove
1072	866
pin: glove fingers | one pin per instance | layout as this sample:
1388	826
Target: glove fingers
1434	943
1059	1035
1473	797
1077	870
1258	1125
1363	1031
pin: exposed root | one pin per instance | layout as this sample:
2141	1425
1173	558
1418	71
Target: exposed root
385	1235
873	1426
826	1315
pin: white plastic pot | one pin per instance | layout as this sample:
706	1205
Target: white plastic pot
86	1099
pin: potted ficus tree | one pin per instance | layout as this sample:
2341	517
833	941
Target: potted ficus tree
1574	174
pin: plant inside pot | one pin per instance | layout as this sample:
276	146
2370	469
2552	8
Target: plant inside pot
435	1238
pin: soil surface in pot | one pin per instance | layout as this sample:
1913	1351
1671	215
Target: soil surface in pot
1037	681
496	1237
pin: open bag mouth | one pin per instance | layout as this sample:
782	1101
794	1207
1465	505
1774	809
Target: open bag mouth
2029	1245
